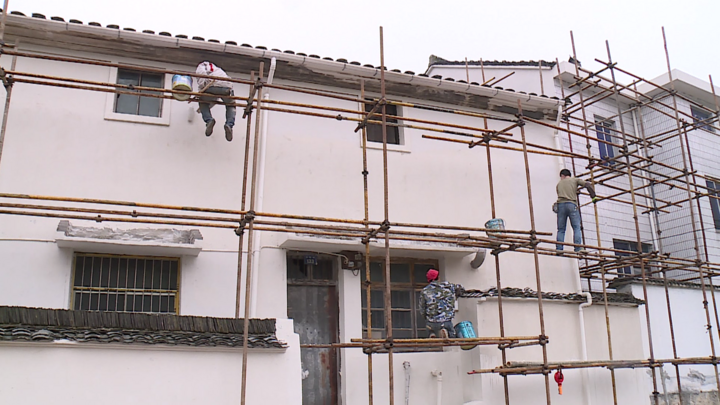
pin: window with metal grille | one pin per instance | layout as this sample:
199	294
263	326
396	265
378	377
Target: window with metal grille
714	191
603	129
407	279
701	116
630	247
138	105
125	283
374	131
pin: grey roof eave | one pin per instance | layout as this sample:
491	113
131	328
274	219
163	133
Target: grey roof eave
156	47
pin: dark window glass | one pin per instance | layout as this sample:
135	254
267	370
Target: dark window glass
702	117
630	247
603	129
374	131
121	284
407	279
138	105
714	202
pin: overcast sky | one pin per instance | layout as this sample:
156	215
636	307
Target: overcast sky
452	29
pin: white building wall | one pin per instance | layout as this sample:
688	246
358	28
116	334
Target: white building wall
313	168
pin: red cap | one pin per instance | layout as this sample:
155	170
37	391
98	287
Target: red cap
432	274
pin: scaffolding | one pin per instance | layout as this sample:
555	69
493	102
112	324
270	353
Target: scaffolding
632	165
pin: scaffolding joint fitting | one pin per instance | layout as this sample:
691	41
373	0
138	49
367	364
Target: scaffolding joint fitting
542	340
99	218
134	214
339	117
365	172
385	226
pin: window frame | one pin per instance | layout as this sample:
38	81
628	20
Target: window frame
414	286
714	203
606	128
701	115
629	271
110	102
404	143
108	290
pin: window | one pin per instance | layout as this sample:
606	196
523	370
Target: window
632	247
603	128
407	279
125	283
714	187
138	105
374	131
701	115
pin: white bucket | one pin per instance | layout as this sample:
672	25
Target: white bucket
181	83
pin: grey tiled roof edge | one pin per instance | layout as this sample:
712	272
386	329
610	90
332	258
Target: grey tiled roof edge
48	325
103	335
509	292
436	60
15	315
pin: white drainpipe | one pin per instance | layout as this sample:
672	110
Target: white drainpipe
556	138
583	339
406	366
260	191
438	375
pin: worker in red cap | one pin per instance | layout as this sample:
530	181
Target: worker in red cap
437	304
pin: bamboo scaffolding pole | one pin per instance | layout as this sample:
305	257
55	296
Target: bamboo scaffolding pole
366	206
597	233
243	198
692	211
249	218
386	209
536	368
8	88
536	258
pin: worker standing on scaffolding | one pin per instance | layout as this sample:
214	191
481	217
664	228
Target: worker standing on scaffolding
215	88
437	304
566	207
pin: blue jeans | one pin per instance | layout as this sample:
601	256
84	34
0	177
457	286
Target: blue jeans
229	109
435	328
568	210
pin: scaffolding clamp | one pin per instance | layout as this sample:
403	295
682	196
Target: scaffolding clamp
6	80
362	124
248	218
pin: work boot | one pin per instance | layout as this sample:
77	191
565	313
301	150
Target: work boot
209	127
228	133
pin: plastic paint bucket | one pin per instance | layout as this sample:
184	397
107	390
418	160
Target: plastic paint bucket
181	83
495	224
465	330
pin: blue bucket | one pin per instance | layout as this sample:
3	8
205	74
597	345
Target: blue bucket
181	83
465	330
495	224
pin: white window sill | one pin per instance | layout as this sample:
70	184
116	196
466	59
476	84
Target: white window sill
138	119
390	147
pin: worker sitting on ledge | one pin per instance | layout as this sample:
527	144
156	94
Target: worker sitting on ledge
215	88
566	207
437	304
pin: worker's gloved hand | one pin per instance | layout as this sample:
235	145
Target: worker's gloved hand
594	200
